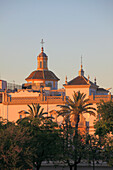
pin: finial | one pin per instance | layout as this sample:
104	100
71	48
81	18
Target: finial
42	42
88	78
81	61
95	80
66	80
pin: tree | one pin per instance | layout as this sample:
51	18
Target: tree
73	147
104	129
45	143
73	108
104	123
108	151
94	150
14	147
35	112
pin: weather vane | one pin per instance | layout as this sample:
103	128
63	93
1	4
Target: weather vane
42	42
81	59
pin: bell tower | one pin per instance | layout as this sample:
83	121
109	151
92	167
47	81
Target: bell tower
42	59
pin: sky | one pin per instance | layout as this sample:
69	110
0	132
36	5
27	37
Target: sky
69	28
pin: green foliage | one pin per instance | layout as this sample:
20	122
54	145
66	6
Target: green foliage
108	151
104	129
94	149
104	123
30	141
72	141
14	147
35	112
73	108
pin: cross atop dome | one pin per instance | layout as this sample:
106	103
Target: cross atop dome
42	42
81	71
42	76
81	62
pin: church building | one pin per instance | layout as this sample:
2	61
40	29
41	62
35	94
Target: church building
42	77
41	87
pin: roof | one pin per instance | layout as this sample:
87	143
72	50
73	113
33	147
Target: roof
81	80
42	74
42	54
102	90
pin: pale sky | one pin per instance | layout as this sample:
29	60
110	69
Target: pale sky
70	28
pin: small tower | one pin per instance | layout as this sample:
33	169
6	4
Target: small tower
95	81
81	71
42	59
88	78
66	80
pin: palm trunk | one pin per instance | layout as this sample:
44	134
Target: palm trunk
93	164
75	166
38	165
76	126
71	167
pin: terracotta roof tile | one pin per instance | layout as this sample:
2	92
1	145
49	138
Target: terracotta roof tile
42	74
78	81
81	80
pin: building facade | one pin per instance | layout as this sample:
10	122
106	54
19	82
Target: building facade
42	87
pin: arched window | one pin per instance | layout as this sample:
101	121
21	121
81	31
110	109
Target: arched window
44	64
40	64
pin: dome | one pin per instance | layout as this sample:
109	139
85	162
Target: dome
42	54
42	74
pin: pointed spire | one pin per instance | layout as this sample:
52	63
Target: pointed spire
81	62
95	80
88	78
42	50
66	80
81	71
42	42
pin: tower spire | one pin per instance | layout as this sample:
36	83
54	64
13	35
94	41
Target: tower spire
42	42
81	62
81	71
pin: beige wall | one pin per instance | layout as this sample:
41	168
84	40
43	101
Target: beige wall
11	111
69	91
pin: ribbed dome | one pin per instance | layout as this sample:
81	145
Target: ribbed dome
42	54
42	74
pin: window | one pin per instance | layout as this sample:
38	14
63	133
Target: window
49	85
44	64
40	64
20	116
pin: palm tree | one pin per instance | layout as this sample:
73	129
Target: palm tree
71	111
73	108
35	111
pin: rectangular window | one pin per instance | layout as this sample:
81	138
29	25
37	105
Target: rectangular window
40	64
44	64
20	116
